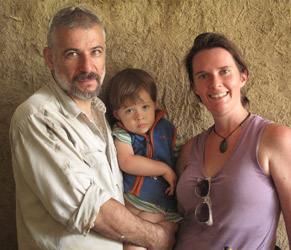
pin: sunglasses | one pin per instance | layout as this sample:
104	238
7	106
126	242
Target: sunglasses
203	211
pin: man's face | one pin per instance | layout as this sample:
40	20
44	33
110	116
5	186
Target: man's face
77	60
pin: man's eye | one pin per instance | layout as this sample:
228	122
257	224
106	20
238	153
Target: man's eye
225	71
96	52
72	54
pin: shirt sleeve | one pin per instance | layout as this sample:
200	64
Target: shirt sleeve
121	134
58	174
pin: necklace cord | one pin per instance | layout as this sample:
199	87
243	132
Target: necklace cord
223	144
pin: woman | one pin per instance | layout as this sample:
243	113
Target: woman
234	177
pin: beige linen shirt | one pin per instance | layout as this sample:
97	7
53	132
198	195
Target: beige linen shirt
65	168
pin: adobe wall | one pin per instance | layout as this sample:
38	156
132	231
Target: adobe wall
153	35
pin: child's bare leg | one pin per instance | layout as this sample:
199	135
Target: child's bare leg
132	247
152	217
149	216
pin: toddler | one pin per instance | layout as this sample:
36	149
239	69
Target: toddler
147	146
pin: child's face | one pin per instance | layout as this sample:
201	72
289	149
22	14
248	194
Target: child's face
139	116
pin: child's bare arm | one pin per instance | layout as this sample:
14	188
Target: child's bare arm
143	166
136	164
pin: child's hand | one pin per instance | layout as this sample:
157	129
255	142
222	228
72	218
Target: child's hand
171	178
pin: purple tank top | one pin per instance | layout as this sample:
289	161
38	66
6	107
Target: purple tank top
245	203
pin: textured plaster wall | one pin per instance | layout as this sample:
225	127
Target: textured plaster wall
152	35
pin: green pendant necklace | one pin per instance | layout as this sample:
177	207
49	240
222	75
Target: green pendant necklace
223	145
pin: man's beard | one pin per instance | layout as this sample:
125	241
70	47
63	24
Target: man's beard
73	90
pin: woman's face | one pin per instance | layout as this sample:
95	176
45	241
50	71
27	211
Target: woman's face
217	80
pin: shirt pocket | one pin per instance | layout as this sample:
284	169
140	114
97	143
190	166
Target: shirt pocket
96	159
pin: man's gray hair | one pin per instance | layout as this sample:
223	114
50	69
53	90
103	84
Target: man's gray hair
79	16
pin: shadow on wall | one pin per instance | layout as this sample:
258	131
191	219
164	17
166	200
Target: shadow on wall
8	236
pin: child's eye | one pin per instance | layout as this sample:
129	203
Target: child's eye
146	106
129	111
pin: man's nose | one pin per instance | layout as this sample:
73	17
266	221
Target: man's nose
86	64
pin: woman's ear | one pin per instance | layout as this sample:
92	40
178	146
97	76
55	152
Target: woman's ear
195	91
48	57
196	94
116	115
243	78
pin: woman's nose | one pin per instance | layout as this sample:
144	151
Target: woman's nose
215	81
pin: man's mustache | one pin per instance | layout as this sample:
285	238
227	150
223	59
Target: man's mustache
89	76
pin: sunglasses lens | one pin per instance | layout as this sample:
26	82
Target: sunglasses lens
202	188
202	212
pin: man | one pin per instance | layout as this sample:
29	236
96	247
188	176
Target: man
68	184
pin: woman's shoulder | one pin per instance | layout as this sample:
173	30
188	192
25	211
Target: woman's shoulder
275	147
276	135
199	138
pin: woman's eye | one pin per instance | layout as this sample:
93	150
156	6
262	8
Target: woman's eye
202	76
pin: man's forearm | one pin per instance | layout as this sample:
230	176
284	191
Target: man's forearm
117	222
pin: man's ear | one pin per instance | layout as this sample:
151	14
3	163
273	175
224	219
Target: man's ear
48	57
116	115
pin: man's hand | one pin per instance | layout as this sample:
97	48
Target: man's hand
116	222
168	241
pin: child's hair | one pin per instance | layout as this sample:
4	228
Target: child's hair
125	86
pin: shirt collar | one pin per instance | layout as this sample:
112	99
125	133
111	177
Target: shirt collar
68	106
